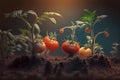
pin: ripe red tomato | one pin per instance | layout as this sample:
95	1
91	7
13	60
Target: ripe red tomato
70	48
39	47
87	30
61	30
51	44
85	52
106	34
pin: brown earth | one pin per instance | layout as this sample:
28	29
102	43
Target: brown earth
97	67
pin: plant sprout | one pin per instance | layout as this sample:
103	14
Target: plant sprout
73	29
70	46
89	20
33	28
114	51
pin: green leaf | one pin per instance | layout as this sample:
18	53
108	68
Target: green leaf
88	16
37	27
79	22
52	14
25	32
53	20
32	13
88	37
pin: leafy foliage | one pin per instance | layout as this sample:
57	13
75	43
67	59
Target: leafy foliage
88	16
7	43
32	32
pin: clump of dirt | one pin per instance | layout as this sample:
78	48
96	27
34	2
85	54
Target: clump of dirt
76	64
115	60
99	61
26	62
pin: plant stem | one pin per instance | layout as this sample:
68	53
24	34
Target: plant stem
32	38
93	37
73	33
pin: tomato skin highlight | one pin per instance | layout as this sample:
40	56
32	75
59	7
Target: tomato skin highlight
70	48
39	47
51	44
87	30
85	52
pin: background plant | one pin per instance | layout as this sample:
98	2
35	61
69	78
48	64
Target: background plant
6	43
33	29
115	49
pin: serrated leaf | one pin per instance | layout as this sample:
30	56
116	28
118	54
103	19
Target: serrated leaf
53	20
88	16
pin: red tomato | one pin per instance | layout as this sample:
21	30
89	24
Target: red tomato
87	30
106	34
51	44
70	48
85	52
39	47
61	30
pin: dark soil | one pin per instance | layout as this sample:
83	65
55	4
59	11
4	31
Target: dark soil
96	67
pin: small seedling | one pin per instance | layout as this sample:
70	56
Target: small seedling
89	20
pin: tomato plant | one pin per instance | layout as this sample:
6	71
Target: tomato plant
33	29
51	41
89	20
70	46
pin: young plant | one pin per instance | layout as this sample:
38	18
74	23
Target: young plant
7	43
89	20
70	46
115	49
33	28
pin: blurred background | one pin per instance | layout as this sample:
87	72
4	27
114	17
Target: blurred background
71	10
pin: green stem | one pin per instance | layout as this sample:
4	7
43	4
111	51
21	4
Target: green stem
73	34
93	37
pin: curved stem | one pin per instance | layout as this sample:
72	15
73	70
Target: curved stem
99	34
